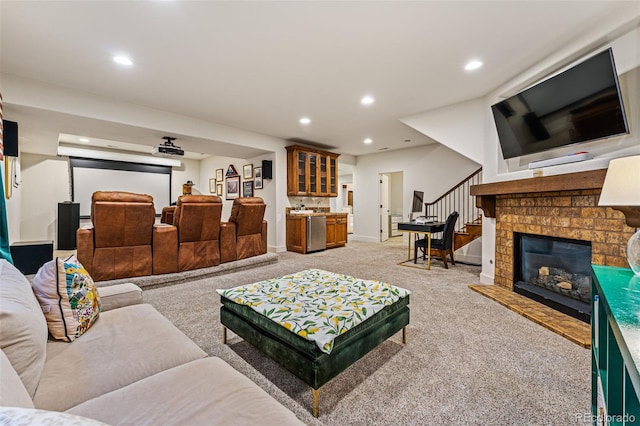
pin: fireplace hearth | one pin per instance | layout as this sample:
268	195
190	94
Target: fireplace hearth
554	271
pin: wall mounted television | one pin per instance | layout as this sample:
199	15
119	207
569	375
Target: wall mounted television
578	105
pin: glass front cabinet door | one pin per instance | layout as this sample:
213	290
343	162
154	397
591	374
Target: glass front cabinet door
302	173
311	172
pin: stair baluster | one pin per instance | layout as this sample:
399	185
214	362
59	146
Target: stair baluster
458	198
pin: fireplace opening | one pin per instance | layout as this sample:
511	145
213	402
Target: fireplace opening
554	271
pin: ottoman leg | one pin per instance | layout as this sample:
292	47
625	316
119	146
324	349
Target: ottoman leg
316	402
404	335
224	335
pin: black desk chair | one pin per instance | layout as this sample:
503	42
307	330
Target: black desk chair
441	246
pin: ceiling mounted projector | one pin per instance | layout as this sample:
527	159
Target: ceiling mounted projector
167	149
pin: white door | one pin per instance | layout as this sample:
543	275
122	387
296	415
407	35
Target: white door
384	207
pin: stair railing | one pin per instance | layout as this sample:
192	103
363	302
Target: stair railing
459	199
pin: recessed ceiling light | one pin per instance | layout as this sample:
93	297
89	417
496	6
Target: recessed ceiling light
83	140
472	65
123	60
368	141
305	120
367	100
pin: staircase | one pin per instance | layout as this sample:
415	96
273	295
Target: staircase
469	232
458	198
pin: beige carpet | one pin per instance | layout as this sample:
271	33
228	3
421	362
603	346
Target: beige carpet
468	360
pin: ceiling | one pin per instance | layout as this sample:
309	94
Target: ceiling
261	66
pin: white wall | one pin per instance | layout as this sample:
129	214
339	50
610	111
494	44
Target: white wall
268	193
189	170
13	207
44	184
208	169
433	169
460	127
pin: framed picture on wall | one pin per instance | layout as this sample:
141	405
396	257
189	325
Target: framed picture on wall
212	186
247	171
219	173
257	178
247	188
233	187
219	189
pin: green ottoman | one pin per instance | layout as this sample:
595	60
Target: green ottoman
280	317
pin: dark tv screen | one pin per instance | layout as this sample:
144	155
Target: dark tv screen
580	104
418	199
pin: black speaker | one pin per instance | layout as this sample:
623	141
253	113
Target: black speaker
267	169
68	224
10	138
29	256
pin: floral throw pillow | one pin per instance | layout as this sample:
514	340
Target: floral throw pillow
68	296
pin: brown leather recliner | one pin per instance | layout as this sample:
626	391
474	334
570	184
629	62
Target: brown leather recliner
119	245
245	235
167	215
197	223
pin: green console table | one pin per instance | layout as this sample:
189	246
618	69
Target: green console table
615	346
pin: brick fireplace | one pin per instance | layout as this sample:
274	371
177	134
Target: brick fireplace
564	206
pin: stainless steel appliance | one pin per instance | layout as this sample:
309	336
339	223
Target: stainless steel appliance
316	233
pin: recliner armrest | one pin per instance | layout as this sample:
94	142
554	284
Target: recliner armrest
264	236
85	244
228	243
119	295
165	249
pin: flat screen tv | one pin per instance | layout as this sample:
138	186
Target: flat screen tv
418	199
580	104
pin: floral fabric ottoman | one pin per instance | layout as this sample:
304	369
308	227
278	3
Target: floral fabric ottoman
315	323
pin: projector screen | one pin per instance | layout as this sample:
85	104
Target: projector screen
88	176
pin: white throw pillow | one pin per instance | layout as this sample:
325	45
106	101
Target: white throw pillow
29	416
68	296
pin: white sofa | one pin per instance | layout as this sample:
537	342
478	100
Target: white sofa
131	367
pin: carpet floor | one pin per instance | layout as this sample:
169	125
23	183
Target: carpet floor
468	360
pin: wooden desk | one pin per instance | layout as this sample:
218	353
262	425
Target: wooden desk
415	229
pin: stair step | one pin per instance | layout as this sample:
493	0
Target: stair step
471	232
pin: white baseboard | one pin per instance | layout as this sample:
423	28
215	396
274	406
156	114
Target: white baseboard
486	279
470	259
276	249
354	237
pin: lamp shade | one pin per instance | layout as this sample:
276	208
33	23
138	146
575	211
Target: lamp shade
621	191
622	183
